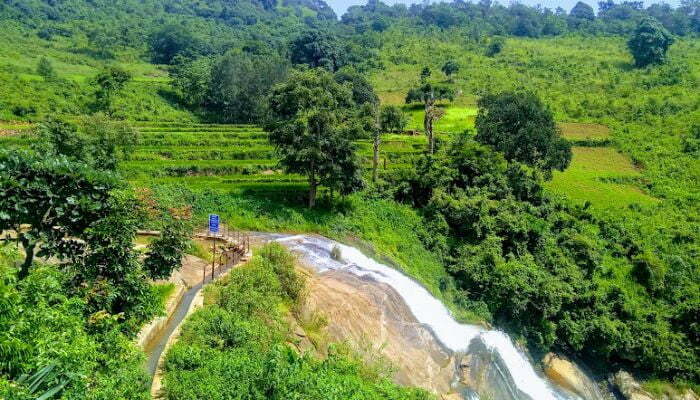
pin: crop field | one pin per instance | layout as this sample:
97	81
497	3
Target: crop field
233	157
457	119
602	176
239	158
585	134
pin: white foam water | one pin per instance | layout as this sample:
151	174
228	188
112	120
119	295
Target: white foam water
427	309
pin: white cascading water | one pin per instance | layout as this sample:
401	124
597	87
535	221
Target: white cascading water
426	308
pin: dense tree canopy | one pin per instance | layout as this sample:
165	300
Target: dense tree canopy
50	201
240	83
317	48
541	267
649	43
172	41
523	128
583	11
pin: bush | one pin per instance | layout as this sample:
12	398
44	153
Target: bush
237	347
166	252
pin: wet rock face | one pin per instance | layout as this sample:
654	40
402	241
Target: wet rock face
484	372
375	320
628	387
632	390
570	377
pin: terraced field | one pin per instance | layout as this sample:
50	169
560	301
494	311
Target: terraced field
232	157
598	173
239	158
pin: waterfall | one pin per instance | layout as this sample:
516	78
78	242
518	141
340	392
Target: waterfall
522	380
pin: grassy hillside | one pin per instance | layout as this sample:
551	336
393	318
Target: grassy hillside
615	261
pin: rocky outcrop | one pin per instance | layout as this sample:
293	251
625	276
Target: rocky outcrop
570	377
374	320
482	371
628	387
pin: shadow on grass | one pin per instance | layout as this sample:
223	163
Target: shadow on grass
287	205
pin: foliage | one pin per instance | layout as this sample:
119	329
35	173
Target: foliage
318	49
691	141
108	274
44	335
45	69
392	119
450	67
486	18
192	79
362	90
172	41
428	94
96	141
109	82
240	84
495	46
165	252
313	123
236	346
521	127
549	271
649	43
56	198
582	11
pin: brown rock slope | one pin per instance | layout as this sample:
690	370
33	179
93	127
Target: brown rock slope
373	319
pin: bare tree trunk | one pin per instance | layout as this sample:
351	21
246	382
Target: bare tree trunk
29	248
313	186
375	160
431	136
428	124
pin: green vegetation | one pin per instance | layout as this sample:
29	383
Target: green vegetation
166	252
599	262
649	43
239	344
312	129
523	129
44	324
603	177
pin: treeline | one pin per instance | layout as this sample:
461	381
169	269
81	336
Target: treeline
109	27
234	87
485	18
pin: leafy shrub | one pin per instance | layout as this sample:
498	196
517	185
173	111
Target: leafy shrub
166	252
238	347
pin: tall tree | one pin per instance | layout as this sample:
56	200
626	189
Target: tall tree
49	201
45	69
372	124
313	122
392	118
110	82
95	140
362	90
582	11
450	67
318	48
240	83
523	129
649	43
171	41
428	95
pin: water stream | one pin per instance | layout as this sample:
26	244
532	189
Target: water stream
517	377
155	348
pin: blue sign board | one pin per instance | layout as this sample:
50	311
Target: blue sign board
213	223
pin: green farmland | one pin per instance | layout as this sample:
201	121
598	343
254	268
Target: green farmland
220	156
